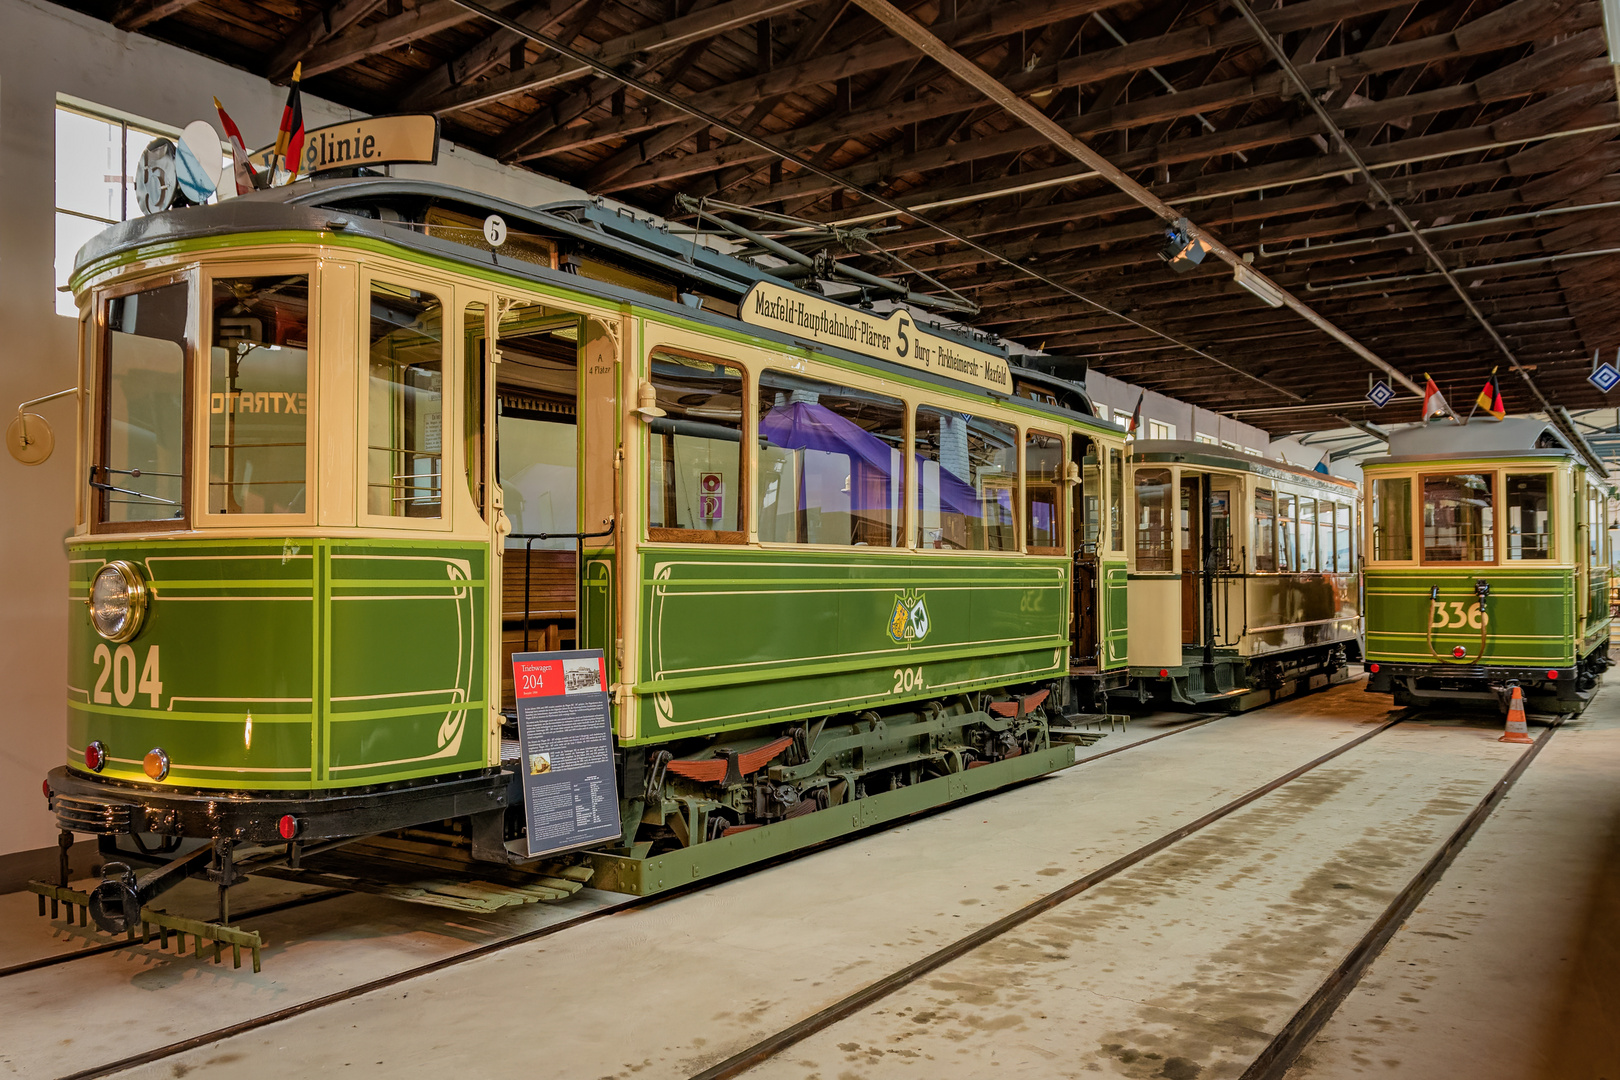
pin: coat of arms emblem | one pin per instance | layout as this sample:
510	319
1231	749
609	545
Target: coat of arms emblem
909	619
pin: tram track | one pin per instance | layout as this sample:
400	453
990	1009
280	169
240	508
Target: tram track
1279	1055
477	952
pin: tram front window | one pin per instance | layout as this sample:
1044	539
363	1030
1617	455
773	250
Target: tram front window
1458	525
1154	534
140	473
258	401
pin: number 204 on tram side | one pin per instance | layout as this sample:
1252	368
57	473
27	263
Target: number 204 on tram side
340	459
1488	555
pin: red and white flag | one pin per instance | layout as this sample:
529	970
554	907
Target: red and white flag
241	166
1434	402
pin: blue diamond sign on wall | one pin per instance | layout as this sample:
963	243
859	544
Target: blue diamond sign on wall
1380	394
1604	377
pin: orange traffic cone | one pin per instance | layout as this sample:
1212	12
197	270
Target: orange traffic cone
1517	731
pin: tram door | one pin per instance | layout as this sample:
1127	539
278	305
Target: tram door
1192	557
1086	525
554	592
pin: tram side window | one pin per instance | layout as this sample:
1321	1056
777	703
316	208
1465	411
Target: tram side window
1088	521
1154	529
1116	500
1043	487
1458	518
405	425
1307	535
1324	535
1528	506
143	433
258	402
1265	537
694	451
1392	519
829	463
1287	560
475	364
1344	533
967	490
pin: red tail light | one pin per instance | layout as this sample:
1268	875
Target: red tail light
1373	668
1164	673
1459	652
45	786
95	757
287	826
1552	676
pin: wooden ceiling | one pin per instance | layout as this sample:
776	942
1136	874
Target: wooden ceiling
1493	124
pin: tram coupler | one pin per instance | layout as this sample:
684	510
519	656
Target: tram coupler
116	903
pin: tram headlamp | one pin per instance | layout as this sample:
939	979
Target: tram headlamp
118	601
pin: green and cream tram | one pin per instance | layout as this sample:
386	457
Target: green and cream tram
1487	566
339	459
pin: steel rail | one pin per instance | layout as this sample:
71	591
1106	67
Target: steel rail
1378	189
660	94
1279	1055
338	996
113	946
769	1047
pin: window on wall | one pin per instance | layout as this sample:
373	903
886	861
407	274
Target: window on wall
96	158
1209	440
258	394
1044	486
694	451
967	482
1158	429
829	463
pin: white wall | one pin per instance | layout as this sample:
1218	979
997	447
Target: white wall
46	51
1189	420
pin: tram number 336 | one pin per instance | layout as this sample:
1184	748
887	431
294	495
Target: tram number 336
118	679
1457	618
907	679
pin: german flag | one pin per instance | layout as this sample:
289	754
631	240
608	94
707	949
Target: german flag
290	136
1490	398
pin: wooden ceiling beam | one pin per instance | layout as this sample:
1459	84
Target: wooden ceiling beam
494	49
134	14
359	42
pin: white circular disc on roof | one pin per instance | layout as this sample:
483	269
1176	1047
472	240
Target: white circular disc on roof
155	177
200	160
495	230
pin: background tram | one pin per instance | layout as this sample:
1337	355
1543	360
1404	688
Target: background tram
1243	577
1488	566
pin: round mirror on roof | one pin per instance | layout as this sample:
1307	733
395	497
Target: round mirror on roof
157	176
199	161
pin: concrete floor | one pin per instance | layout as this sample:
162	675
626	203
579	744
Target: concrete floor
1181	967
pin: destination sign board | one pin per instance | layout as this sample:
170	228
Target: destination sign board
893	335
411	139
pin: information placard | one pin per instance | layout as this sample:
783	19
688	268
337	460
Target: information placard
570	791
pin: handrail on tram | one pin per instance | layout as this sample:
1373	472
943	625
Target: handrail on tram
528	565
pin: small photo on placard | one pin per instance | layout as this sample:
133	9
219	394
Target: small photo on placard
582	676
539	763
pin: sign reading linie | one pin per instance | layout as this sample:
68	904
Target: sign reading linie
896	337
379	140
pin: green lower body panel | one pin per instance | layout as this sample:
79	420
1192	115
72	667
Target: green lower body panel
645	876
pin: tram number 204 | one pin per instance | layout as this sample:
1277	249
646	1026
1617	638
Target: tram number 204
118	679
907	679
1455	616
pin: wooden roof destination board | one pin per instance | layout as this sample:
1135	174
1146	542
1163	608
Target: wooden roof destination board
893	336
